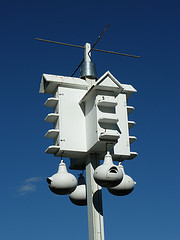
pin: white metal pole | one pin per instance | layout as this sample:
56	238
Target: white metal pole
94	191
94	201
87	55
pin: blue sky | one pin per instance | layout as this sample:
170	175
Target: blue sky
146	28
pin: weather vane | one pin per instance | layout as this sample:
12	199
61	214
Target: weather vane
91	49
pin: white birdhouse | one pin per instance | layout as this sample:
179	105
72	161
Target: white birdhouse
62	182
86	119
125	187
79	195
108	174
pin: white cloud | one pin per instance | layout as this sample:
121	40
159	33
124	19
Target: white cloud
33	179
26	188
29	185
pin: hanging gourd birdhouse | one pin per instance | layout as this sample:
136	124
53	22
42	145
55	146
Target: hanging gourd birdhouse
125	187
79	195
108	174
62	182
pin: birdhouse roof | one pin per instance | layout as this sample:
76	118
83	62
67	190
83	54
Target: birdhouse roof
108	82
50	82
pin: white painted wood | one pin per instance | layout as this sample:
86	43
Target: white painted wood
52	133
49	83
128	90
133	155
108	80
131	124
132	139
51	102
106	101
52	149
108	118
51	117
89	118
130	109
94	201
109	135
122	147
71	120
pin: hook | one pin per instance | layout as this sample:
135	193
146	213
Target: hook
106	147
62	154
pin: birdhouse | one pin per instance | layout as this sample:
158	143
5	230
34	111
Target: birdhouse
125	187
62	182
87	119
108	174
79	195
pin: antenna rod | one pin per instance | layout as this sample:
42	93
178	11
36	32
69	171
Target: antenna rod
77	67
90	49
66	44
98	39
123	54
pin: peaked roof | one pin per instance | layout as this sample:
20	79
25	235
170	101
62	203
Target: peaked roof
107	80
125	88
109	83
